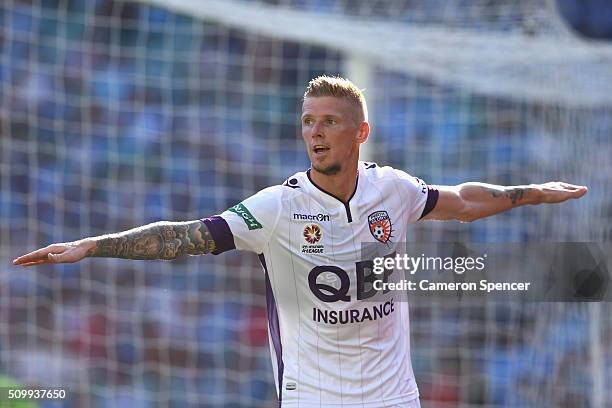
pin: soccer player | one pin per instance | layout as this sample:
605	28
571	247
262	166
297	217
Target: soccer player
332	343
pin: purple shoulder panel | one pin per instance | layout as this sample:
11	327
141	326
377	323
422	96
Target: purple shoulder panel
221	233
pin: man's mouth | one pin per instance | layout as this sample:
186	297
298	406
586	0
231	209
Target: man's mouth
320	149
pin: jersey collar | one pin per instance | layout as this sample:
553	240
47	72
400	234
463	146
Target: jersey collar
333	198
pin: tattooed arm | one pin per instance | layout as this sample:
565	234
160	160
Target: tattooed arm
471	201
160	240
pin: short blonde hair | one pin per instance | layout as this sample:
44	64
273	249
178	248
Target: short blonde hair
339	87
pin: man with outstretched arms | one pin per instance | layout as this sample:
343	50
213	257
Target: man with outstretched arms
333	341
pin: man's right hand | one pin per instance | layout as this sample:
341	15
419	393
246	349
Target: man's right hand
160	240
66	252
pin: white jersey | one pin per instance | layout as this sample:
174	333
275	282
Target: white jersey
332	344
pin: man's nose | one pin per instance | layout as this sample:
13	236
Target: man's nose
317	130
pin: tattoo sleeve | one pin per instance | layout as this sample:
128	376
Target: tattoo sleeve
161	240
515	194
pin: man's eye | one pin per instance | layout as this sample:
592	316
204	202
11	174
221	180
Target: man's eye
331	121
308	121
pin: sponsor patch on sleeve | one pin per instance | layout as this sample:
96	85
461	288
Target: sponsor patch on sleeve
246	216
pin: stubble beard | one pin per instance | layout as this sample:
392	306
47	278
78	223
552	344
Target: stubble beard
330	170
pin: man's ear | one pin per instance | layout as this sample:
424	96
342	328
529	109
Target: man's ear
364	132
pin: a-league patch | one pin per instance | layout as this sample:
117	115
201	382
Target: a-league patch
380	226
246	215
312	234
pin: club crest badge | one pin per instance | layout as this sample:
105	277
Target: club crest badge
380	226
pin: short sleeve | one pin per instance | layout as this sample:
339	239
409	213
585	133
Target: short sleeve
248	225
420	197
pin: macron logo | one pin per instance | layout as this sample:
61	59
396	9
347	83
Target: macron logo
310	217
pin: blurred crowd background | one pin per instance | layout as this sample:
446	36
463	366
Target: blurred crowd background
114	114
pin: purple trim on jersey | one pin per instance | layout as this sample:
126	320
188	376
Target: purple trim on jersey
221	233
432	200
274	329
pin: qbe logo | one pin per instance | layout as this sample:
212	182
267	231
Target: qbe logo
331	283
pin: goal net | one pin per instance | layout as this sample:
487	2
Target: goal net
114	114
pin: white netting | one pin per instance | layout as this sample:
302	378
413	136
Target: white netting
508	49
114	114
